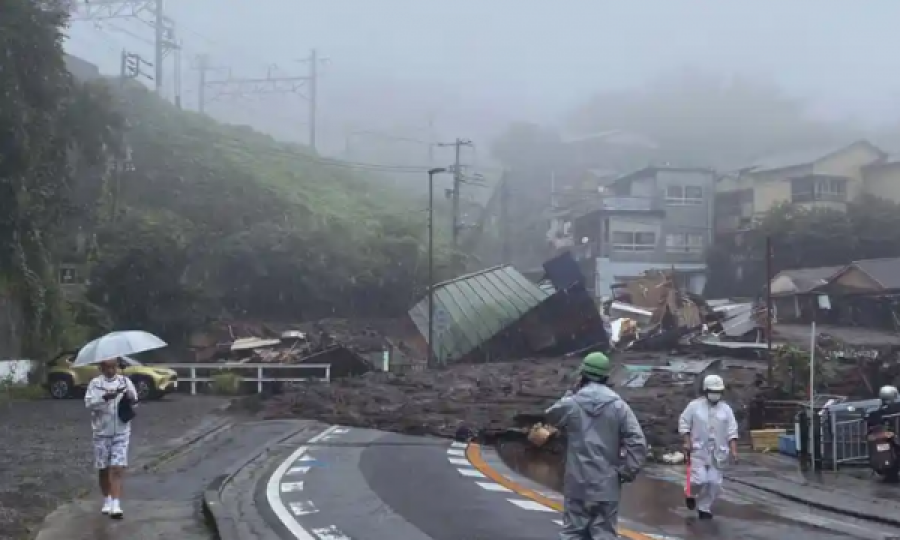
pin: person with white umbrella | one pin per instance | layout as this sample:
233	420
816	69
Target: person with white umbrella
111	397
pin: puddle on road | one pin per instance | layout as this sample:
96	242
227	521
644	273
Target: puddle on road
656	499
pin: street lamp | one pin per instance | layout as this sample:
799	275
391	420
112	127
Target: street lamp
431	174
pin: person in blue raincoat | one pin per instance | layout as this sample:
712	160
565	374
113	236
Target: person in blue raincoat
605	448
710	434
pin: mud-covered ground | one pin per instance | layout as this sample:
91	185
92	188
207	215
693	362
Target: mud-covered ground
480	397
46	456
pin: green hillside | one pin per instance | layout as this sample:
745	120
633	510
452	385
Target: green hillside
223	220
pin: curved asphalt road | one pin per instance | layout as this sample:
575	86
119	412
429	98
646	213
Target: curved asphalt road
358	484
364	484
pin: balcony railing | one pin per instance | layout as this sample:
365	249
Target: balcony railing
632	204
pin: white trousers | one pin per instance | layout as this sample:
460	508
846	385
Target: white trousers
706	484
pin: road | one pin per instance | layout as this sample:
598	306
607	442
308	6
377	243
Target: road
160	501
350	484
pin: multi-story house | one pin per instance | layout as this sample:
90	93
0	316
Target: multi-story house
653	218
823	178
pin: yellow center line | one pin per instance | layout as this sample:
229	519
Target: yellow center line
473	454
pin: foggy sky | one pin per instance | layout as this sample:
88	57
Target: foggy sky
479	65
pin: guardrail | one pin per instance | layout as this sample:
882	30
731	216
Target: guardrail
258	373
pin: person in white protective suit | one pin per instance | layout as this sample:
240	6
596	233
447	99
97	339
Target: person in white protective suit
710	434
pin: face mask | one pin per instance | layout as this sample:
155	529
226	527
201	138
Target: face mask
714	397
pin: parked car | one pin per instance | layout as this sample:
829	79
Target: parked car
65	381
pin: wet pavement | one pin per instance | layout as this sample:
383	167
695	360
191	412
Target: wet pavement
163	501
656	501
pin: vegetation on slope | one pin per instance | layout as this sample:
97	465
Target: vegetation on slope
217	220
50	127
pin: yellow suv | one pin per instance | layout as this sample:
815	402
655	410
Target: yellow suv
65	381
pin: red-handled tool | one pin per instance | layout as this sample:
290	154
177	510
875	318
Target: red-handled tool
689	499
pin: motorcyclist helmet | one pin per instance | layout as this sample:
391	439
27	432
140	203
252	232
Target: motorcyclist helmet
888	394
713	387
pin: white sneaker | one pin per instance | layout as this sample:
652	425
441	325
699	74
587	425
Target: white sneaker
115	510
107	506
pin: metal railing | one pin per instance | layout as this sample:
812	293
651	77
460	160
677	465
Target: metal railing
843	434
258	373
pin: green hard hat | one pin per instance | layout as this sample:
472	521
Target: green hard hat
595	364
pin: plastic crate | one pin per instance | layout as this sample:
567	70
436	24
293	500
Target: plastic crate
787	445
765	440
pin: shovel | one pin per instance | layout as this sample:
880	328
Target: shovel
689	499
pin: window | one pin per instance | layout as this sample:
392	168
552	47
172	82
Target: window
684	243
677	195
633	241
812	188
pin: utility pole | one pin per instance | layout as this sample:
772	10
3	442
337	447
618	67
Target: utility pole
504	217
202	67
769	310
159	30
149	12
313	95
457	183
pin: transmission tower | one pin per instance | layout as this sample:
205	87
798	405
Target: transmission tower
272	84
149	12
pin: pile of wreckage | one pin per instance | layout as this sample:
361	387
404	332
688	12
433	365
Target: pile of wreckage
651	312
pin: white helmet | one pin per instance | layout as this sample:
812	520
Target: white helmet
713	383
888	393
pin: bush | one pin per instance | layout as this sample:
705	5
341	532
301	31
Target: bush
227	383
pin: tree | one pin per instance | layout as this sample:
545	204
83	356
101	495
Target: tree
805	238
703	120
44	139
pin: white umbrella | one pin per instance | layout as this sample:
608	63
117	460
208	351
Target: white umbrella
116	344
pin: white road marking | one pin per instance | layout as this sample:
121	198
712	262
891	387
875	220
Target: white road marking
458	452
459	461
291	487
273	493
558	522
305	457
492	486
457	444
299	470
472	473
303	508
530	505
330	533
341	431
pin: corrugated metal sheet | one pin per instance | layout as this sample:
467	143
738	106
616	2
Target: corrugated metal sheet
472	309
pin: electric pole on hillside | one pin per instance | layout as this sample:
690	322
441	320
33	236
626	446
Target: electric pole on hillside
457	183
269	85
504	218
203	67
313	94
149	12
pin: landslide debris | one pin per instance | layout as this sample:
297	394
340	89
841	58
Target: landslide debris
484	397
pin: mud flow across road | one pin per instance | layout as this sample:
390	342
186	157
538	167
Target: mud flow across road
656	503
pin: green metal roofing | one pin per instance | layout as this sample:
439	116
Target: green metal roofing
472	309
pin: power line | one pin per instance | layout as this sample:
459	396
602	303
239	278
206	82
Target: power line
271	84
149	12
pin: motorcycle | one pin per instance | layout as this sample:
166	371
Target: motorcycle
884	450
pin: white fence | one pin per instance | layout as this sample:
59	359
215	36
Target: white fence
258	373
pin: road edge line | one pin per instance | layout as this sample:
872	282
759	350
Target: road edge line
473	454
222	523
273	496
